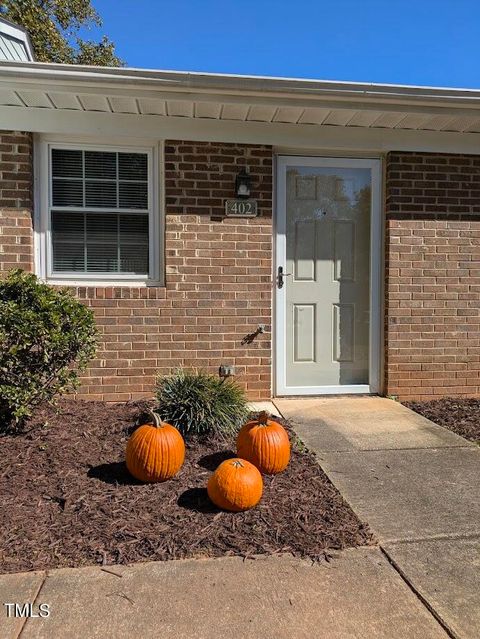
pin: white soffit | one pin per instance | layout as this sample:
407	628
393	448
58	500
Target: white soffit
235	112
31	85
65	101
9	98
150	106
95	103
313	116
209	110
123	105
288	115
181	108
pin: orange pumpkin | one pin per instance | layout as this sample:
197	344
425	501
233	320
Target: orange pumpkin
236	485
265	444
155	452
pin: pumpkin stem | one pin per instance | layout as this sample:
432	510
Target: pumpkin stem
156	418
237	463
263	417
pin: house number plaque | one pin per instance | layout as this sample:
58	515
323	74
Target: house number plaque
241	208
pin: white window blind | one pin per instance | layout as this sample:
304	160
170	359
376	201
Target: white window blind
99	212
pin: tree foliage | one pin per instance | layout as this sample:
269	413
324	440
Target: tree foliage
53	26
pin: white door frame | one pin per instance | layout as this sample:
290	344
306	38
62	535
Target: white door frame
376	252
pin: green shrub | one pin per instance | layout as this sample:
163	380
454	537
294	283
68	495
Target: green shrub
199	404
44	333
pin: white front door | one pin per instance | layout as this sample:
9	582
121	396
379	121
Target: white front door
328	275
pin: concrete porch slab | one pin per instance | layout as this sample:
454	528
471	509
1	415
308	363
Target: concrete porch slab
410	494
446	573
265	405
358	594
19	588
363	423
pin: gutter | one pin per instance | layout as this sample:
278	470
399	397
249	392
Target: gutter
197	86
243	84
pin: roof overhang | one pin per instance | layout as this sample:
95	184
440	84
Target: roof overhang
34	93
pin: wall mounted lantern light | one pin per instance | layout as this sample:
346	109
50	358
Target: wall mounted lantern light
242	184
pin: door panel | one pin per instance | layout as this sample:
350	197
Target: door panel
343	332
344	251
304	332
327	265
304	251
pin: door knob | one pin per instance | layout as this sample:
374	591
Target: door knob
280	276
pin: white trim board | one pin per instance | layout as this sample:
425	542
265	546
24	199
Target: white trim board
376	272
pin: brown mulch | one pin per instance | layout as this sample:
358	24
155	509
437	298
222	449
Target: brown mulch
462	416
68	500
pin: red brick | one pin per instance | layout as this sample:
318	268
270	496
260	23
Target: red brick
433	282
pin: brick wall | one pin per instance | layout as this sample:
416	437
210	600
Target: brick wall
218	272
16	237
218	282
432	330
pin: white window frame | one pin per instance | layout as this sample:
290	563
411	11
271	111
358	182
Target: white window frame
42	217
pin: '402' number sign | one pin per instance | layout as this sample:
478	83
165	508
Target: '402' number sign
241	208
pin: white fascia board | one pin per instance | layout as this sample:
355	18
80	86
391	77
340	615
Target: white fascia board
240	82
192	86
129	127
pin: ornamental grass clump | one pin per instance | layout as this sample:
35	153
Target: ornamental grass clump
200	404
46	337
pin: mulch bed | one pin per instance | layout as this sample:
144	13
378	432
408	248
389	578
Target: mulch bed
462	416
68	500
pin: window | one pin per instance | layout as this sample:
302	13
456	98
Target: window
99	224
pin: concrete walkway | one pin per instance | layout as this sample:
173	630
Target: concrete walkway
416	484
358	595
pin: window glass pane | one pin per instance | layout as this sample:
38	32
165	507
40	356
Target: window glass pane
89	241
134	229
67	193
101	165
134	259
68	226
133	195
68	257
103	187
134	244
132	166
101	194
111	243
67	163
68	241
102	228
102	258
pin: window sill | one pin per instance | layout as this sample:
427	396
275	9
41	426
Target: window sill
106	283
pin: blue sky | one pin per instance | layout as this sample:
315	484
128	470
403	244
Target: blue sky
428	42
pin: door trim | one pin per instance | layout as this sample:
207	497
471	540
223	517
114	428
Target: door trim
376	272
